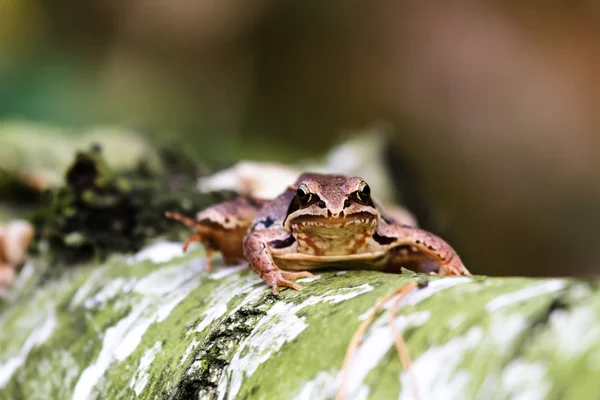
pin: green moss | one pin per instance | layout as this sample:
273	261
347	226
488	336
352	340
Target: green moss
100	211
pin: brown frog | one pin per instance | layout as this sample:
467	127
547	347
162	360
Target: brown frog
321	221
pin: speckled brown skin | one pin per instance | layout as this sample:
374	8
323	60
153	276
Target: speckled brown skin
222	228
322	220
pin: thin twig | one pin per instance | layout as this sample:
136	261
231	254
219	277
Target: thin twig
360	333
399	342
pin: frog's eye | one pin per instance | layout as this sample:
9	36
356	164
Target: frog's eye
303	194
364	192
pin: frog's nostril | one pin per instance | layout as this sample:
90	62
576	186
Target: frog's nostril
336	215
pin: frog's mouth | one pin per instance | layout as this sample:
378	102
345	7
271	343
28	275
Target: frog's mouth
361	219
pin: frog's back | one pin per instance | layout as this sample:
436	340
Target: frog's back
272	214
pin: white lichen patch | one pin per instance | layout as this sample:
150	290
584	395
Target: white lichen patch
38	336
435	374
416	296
168	280
324	387
108	292
113	336
339	295
505	329
226	271
230	288
151	300
279	326
311	279
321	387
87	288
26	273
574	331
191	347
523	380
376	344
532	291
579	292
456	321
141	376
158	253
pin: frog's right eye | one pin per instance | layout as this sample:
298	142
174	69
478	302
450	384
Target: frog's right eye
303	194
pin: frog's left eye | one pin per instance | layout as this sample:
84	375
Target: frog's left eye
364	192
303	194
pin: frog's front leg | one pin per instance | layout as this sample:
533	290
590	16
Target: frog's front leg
427	243
257	250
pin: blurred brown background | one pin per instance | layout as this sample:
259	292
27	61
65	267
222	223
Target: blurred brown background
495	104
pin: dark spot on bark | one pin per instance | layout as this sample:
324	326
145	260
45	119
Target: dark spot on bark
280	244
212	357
423	282
383	239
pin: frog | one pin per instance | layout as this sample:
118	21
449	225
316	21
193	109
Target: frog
322	221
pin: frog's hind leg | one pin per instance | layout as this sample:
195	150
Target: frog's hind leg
426	243
222	227
194	237
410	258
189	222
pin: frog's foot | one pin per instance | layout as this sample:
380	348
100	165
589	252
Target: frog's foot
257	252
196	237
453	267
189	222
209	259
278	278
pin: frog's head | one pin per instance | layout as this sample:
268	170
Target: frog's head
331	207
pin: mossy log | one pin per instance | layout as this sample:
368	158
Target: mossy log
157	325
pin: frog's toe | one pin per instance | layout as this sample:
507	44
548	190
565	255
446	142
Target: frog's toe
283	279
285	283
454	267
296	275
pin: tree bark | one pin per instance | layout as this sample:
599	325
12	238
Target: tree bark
157	325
